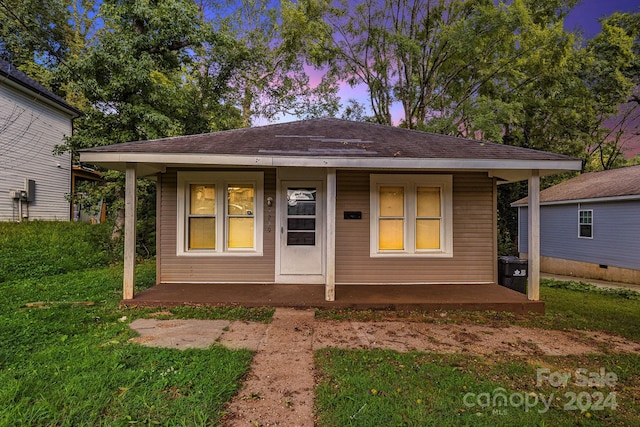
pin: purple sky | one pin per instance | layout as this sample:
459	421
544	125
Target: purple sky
585	16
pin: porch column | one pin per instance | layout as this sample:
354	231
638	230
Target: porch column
330	285
130	214
533	290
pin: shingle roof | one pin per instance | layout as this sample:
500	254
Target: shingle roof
593	185
9	71
329	137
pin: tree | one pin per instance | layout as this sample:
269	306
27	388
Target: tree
136	74
435	57
273	78
142	78
615	78
34	35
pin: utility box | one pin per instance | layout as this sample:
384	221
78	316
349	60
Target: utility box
513	273
30	188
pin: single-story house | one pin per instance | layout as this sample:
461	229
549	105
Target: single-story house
325	201
589	226
34	183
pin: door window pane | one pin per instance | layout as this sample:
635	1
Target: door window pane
301	224
202	233
301	238
301	201
428	202
241	233
203	199
428	234
391	234
391	201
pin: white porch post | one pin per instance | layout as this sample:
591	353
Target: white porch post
330	284
533	290
130	214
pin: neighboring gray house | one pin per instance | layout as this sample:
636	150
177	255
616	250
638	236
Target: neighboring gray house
589	226
33	181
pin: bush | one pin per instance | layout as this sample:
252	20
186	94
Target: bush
43	248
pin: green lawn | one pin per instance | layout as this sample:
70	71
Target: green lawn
385	388
67	360
373	387
71	364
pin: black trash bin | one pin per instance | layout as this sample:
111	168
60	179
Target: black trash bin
512	273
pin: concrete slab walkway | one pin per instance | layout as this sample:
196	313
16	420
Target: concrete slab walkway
279	389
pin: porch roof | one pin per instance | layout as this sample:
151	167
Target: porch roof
331	143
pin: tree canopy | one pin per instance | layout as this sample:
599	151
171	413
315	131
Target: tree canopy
503	71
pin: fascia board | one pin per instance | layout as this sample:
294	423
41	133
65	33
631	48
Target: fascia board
576	201
339	162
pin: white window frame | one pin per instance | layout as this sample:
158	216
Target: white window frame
410	183
221	180
580	224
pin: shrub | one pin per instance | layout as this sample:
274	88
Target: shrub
45	248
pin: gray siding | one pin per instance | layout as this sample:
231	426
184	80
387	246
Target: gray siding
616	233
29	131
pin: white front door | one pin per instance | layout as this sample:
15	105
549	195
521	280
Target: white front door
301	232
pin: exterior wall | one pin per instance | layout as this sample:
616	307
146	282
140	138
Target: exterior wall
474	237
615	242
210	269
29	131
589	270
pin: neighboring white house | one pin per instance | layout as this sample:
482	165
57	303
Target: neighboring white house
34	182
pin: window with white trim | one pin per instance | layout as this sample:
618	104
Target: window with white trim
411	215
585	223
219	213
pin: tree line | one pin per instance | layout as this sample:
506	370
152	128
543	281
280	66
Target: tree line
506	71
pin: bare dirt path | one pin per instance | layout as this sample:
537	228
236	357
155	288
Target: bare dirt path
278	391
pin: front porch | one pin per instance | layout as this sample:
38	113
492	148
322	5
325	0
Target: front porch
394	297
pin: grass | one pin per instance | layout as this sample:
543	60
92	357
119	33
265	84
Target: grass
375	387
67	360
45	248
66	364
378	387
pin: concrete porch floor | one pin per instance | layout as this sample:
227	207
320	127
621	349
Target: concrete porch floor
396	297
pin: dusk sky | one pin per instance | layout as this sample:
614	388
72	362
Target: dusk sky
584	18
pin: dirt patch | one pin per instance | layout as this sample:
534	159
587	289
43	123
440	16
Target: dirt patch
279	389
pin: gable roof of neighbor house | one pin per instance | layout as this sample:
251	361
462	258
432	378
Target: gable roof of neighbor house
328	142
614	184
19	80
